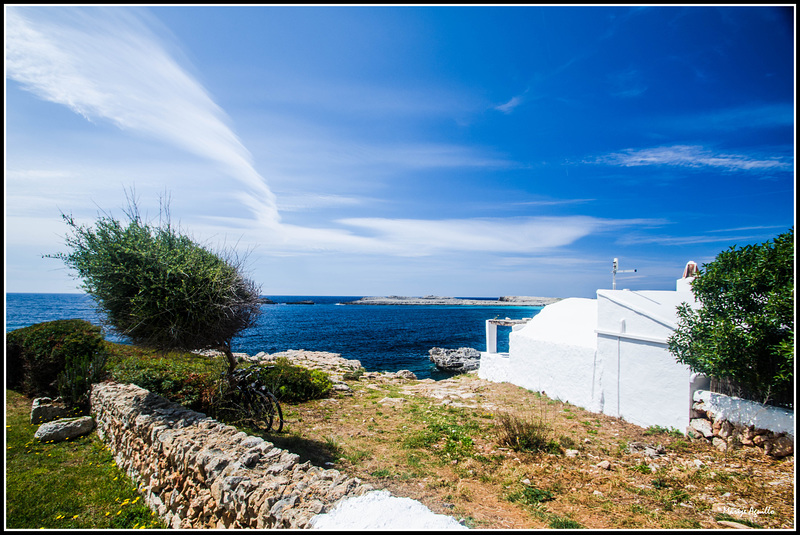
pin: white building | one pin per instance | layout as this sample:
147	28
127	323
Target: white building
607	355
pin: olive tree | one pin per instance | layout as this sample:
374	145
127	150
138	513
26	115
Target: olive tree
160	288
744	329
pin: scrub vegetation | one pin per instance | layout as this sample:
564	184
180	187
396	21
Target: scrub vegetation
521	460
158	286
508	459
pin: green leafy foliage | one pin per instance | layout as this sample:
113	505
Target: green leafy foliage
184	378
158	287
293	383
744	330
62	357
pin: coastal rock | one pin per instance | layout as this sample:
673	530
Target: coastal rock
331	363
462	359
401	375
454	301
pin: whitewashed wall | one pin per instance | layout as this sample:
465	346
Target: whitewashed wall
607	355
642	381
553	353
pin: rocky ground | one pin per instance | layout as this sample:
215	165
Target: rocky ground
603	473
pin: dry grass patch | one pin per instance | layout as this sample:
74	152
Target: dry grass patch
442	444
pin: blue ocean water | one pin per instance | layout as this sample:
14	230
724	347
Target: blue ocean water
382	337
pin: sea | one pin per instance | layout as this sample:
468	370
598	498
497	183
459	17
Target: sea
381	337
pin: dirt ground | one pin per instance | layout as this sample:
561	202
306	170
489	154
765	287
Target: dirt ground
438	442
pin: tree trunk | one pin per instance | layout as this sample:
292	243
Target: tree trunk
226	349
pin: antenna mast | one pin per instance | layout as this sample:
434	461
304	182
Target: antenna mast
614	272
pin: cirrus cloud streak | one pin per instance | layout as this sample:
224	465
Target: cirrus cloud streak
692	156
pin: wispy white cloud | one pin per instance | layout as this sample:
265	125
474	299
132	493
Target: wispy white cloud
111	65
739	229
512	103
108	64
692	156
528	235
642	239
300	202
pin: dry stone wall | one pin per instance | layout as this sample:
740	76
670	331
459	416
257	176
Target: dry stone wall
196	472
728	422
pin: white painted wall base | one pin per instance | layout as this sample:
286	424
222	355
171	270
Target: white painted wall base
744	412
494	367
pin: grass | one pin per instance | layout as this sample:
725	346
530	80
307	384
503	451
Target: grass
452	459
73	484
658	430
457	456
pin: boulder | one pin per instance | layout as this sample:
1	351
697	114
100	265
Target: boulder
406	374
64	429
702	426
779	447
463	359
46	410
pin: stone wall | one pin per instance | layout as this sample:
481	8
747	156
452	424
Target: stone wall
730	422
196	472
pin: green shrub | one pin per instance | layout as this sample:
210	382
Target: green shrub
293	383
525	434
744	330
353	375
61	357
75	382
184	378
158	286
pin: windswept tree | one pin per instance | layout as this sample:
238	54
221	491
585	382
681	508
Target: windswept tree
744	330
160	288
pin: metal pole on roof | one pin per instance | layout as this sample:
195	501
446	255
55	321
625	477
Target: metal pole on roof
614	272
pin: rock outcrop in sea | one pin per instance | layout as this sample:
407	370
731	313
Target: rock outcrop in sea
437	300
463	359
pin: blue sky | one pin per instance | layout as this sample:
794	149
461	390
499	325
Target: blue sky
464	151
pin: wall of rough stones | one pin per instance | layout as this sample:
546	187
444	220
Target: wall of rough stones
729	422
196	472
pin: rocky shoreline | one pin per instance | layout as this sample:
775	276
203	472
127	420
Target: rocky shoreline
437	300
